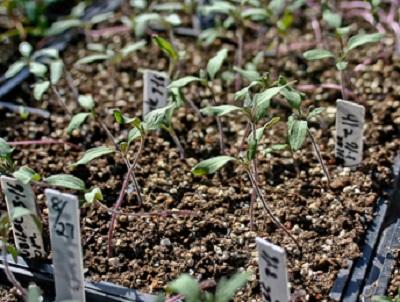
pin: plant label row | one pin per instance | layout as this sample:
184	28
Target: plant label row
273	272
27	235
350	119
155	94
65	236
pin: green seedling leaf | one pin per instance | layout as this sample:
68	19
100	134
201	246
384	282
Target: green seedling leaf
249	75
215	63
333	20
173	19
276	148
276	7
18	212
86	101
25	49
171	6
66	181
182	82
34	293
292	96
219	7
5	149
297	133
93	196
381	299
46	52
59	27
167	48
315	112
38	69
25	175
317	54
343	31
255	14
128	49
93	58
56	71
362	39
133	135
94	153
14	69
219	110
227	288
186	286
13	252
121	119
39	89
260	131
341	65
101	18
211	165
263	101
155	118
141	22
76	121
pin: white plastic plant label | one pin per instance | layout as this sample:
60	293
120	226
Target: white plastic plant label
27	235
273	272
350	118
155	91
65	239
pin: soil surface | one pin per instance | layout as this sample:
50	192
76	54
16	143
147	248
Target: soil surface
216	238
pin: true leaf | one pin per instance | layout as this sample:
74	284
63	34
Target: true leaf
18	212
315	112
25	175
167	48
155	118
76	121
333	20
292	96
211	165
39	89
66	181
86	101
215	63
13	252
317	54
94	195
362	39
341	65
219	110
297	133
94	153
46	52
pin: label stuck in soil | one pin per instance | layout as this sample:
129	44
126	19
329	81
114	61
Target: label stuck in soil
155	91
27	234
65	239
350	118
273	272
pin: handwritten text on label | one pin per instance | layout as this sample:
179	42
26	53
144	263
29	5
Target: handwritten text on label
273	272
350	118
65	239
27	235
155	92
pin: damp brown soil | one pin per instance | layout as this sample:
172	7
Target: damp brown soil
216	239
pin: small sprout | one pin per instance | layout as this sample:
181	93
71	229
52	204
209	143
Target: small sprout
93	196
77	121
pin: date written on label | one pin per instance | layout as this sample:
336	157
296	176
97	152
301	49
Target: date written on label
155	91
273	272
27	235
350	118
65	239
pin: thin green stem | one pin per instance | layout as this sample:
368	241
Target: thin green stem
319	156
219	122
